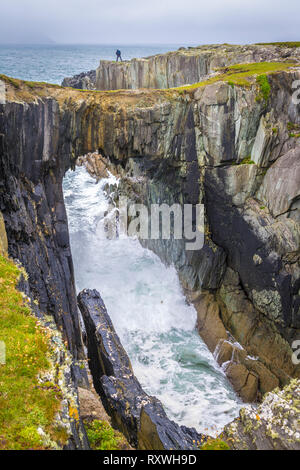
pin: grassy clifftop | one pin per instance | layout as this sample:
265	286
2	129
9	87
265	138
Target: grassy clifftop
241	74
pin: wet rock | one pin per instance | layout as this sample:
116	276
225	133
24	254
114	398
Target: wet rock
267	379
61	373
224	351
249	378
139	416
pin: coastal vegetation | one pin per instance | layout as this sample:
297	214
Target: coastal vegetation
27	405
215	444
265	88
280	44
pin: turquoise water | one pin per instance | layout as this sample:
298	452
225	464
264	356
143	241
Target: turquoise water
54	63
148	309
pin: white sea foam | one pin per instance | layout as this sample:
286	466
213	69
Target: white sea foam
149	312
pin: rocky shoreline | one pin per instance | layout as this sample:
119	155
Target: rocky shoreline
181	67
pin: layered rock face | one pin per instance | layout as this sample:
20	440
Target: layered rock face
95	164
219	144
181	67
140	416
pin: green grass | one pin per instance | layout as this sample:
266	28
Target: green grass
102	436
25	402
280	44
215	444
265	88
241	74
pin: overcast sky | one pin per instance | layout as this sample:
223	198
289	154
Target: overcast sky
149	21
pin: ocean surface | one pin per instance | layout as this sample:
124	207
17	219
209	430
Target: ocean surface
143	297
55	62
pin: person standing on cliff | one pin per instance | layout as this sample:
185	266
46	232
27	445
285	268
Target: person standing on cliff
118	54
